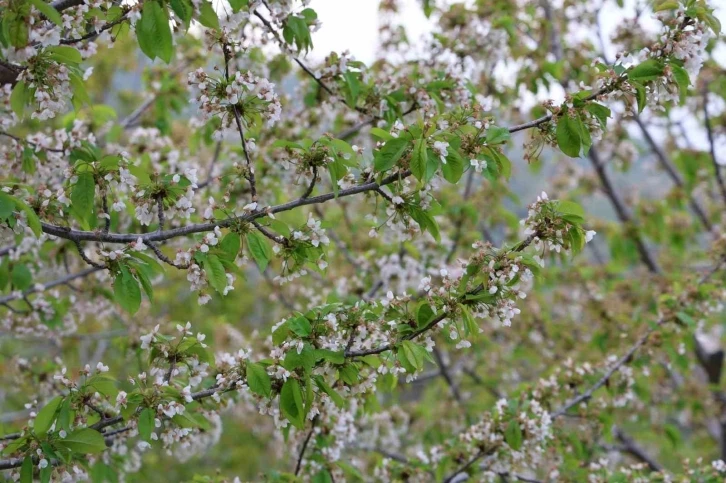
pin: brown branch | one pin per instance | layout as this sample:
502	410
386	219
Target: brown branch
667	164
622	212
634	449
712	146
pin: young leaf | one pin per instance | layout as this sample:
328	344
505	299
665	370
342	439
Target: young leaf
646	71
7	206
513	435
49	11
83	194
419	159
389	154
126	291
26	470
146	423
381	134
230	246
21	276
46	416
568	136
334	396
215	273
153	32
258	380
17	99
682	79
237	5
291	403
207	16
497	135
424	315
65	54
83	441
454	167
260	250
184	9
300	326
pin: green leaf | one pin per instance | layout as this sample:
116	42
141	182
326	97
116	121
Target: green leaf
17	30
647	70
419	159
349	374
497	135
7	206
26	470
410	356
4	273
291	403
454	167
662	5
215	273
513	435
260	250
601	113
46	9
83	441
334	396
570	211
352	84
153	32
238	5
381	134
17	99
686	319
230	246
31	216
146	423
568	136
424	315
640	96
389	154
45	474
46	416
425	221
470	326
296	31
258	380
184	9
21	277
207	16
64	54
300	326
322	476
83	194
427	8
126	291
64	415
682	79
432	164
713	22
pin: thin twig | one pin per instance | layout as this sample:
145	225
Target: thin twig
298	466
311	186
85	258
447	377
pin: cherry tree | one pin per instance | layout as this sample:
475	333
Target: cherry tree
495	253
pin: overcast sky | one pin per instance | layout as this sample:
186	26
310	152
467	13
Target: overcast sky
353	25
